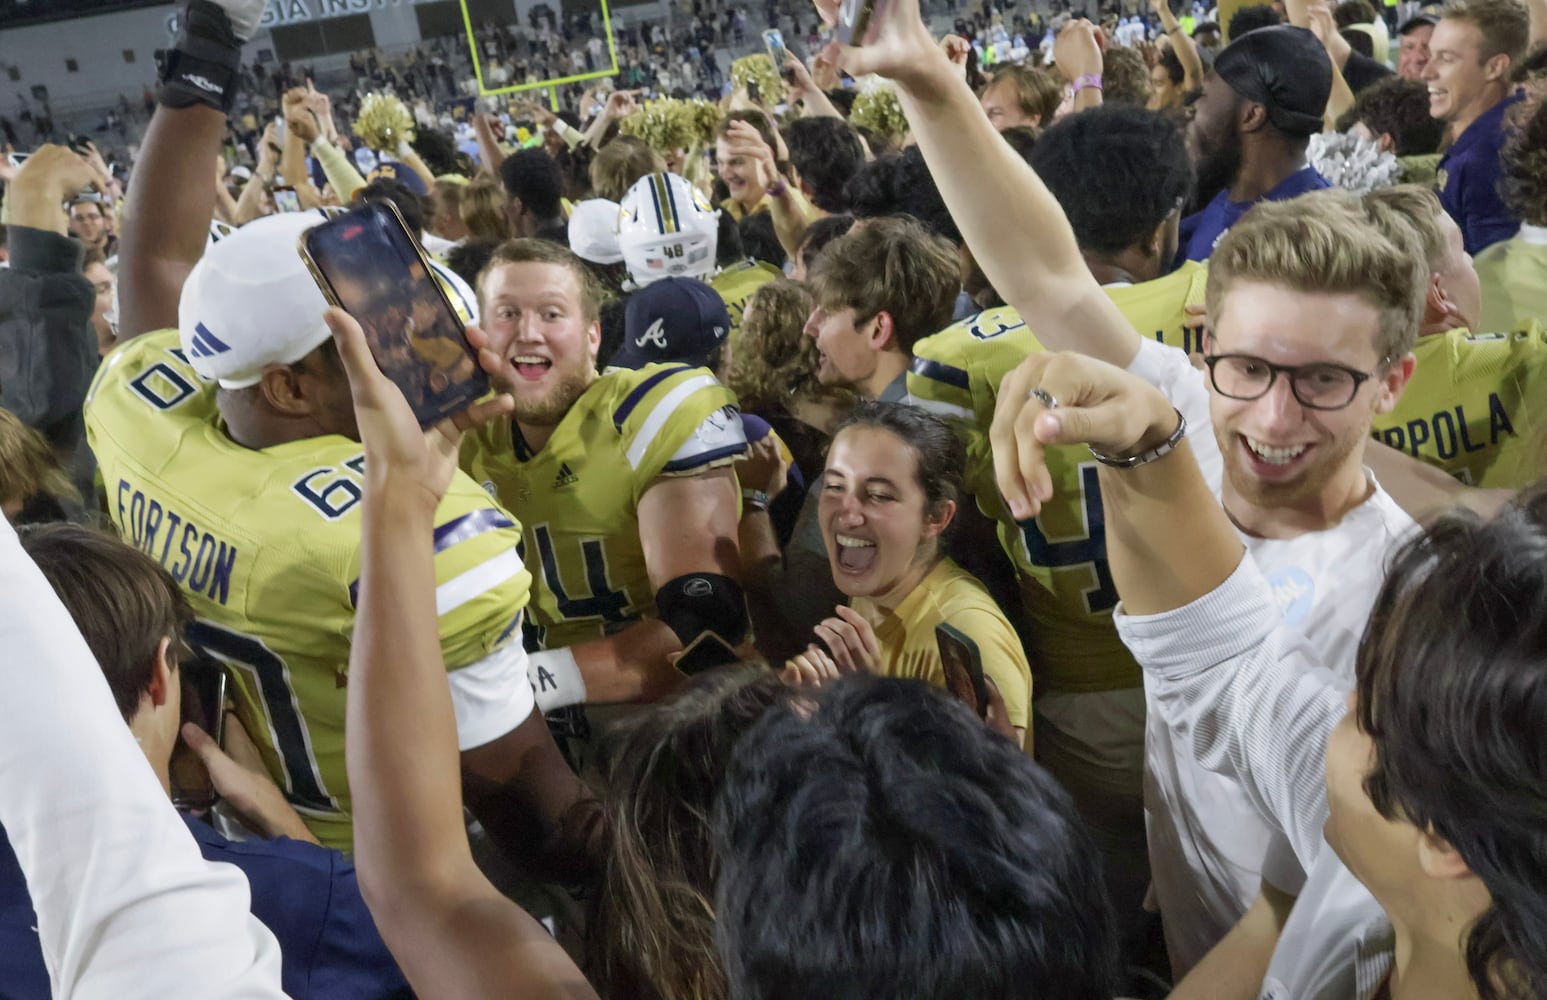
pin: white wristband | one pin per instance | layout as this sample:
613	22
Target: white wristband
556	679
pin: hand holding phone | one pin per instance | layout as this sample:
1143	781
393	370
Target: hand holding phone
203	683
963	666
367	263
773	40
286	199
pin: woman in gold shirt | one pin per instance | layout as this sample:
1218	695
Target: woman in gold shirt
889	491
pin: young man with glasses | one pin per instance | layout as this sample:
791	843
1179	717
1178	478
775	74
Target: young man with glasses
1313	286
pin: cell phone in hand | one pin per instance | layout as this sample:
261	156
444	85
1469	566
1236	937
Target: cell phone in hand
203	685
853	21
773	40
754	92
705	653
963	665
286	199
368	263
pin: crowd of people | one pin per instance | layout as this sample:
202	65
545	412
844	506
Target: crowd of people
951	516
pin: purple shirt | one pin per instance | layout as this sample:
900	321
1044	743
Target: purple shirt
1203	229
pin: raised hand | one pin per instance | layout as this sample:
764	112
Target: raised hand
1097	404
897	44
811	668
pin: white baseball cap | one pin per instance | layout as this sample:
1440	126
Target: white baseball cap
250	302
593	231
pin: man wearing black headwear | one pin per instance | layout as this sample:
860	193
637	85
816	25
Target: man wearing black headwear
1260	105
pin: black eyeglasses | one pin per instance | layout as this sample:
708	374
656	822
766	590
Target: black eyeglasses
1318	386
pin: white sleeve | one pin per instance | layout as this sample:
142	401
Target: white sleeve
491	697
720	436
127	907
1170	370
1249	696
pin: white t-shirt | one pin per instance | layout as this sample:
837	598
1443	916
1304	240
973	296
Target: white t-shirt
1210	846
1253	701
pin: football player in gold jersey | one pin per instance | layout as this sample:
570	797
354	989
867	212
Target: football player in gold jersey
229	447
1090	702
623	481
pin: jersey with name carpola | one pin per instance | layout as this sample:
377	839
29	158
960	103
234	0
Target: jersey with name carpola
1209	845
266	545
578	497
1471	407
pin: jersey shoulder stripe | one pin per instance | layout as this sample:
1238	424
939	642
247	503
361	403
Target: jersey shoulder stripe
640	391
663	411
939	371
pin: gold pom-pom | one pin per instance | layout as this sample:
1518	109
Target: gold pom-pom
878	110
670	124
759	69
383	122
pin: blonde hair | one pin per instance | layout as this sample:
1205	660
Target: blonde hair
620	163
483	211
772	357
1331	242
28	466
1420	208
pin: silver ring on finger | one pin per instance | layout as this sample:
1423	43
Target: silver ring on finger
1044	397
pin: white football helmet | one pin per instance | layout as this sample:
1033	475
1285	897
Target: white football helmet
667	229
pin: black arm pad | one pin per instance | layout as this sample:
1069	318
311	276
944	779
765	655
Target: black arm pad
703	602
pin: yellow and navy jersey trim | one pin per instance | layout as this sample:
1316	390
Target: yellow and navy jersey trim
664	201
454	531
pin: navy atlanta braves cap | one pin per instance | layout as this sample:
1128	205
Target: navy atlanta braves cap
673	319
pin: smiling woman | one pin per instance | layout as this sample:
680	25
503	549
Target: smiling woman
889	492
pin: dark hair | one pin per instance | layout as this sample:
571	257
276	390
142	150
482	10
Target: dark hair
653	928
1145	172
440	154
1022	139
468	258
414	208
877	840
1173	65
1351	12
540	251
842	98
1399	108
728	248
891	265
826	152
1523	167
758	239
1532	66
820	233
532	176
1452	684
937	450
901	185
122	601
1251	18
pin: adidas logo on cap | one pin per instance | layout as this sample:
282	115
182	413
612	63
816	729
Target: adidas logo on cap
206	344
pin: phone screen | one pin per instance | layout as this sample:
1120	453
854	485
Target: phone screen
963	665
367	263
286	199
203	684
773	38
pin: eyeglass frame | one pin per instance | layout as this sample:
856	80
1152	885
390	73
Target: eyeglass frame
1359	377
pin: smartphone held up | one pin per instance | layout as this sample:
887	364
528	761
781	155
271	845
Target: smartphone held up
368	263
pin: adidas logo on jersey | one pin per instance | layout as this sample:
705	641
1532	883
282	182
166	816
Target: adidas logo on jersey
205	344
565	477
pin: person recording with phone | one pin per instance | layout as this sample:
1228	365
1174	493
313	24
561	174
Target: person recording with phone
132	615
227	376
888	495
